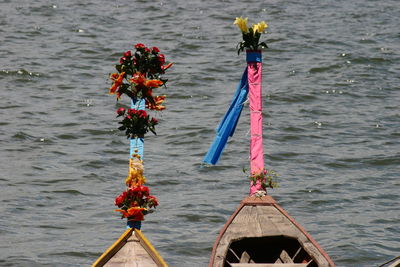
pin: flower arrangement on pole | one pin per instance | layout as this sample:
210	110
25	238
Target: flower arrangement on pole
259	177
139	74
251	35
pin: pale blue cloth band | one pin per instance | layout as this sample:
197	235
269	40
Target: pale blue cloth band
137	143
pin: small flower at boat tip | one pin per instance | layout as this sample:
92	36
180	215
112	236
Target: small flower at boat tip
260	193
121	112
242	24
139	46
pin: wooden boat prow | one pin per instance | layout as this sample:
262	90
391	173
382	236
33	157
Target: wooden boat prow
261	233
131	249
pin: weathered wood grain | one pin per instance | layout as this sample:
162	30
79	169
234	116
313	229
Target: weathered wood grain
261	217
269	265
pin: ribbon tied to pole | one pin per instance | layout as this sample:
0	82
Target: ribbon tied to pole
249	84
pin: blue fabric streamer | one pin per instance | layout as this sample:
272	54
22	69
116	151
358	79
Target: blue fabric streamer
228	124
137	143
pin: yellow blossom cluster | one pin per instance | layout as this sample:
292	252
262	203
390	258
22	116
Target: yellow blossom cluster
135	174
242	24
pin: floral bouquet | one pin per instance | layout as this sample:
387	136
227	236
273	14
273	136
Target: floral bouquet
264	179
251	35
139	73
136	201
136	123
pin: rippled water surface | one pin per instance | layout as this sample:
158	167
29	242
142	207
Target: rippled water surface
331	125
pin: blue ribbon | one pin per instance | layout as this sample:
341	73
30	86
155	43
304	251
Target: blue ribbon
228	124
137	143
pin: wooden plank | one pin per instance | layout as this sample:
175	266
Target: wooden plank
395	264
113	249
132	254
268	265
150	249
131	250
245	258
285	257
260	217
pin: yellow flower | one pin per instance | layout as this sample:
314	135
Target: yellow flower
255	28
261	26
242	24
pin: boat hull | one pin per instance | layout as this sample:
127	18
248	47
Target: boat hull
261	232
131	249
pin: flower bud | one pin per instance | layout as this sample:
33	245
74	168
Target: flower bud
128	54
120	112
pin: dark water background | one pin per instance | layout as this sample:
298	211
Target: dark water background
331	125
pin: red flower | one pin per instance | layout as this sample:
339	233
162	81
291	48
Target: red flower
122	60
154	121
139	46
146	50
161	58
120	111
155	49
119	200
132	111
153	202
142	113
128	54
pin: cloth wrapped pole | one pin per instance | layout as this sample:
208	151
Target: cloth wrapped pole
254	70
228	124
136	147
137	143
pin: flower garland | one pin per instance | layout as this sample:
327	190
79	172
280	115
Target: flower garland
138	74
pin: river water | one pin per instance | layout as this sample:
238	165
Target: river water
331	125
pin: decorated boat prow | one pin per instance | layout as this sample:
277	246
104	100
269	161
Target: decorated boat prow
138	74
261	233
131	249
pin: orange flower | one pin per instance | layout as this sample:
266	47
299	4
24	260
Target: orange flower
158	100
134	213
167	66
141	82
117	82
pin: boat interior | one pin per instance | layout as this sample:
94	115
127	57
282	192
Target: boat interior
267	251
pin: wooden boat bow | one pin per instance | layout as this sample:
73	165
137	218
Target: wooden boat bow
261	233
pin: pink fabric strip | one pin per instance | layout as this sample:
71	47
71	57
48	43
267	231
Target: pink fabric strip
254	70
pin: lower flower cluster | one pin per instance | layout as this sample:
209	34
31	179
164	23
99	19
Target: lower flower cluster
135	201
